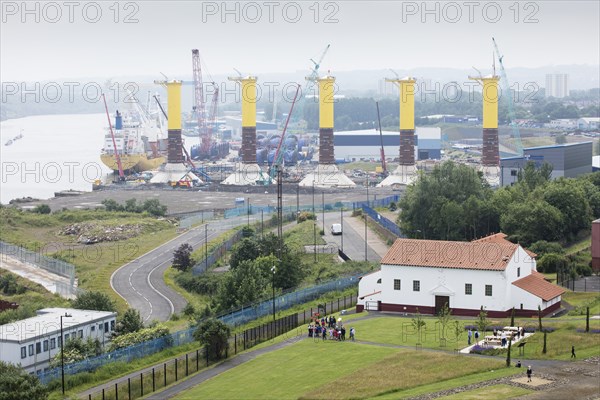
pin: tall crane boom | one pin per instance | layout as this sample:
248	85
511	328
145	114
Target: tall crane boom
518	146
200	107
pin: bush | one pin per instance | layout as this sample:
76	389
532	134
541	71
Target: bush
16	384
305	216
551	262
542	247
42	209
94	301
143	335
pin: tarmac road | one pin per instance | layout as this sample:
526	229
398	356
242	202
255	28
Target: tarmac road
140	282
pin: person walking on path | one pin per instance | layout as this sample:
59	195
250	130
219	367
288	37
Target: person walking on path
573	352
529	372
352	334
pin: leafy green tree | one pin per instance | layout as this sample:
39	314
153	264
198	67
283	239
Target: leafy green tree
76	349
532	220
132	206
437	206
246	249
542	247
418	323
143	335
569	198
16	384
531	176
213	334
130	322
182	257
444	318
540	317
112	205
42	209
90	300
243	285
482	321
154	207
552	263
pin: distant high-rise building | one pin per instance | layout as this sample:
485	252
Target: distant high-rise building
557	85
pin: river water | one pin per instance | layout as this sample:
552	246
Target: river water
57	152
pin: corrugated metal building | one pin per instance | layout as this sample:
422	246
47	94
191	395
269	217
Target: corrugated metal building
366	144
568	160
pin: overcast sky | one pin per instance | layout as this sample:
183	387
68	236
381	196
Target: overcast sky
280	36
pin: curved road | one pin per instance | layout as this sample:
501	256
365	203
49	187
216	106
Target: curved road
140	282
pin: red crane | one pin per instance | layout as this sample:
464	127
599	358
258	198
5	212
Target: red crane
200	107
112	135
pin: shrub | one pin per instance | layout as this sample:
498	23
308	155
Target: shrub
42	209
143	335
305	216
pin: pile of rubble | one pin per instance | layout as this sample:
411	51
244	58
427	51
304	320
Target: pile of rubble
92	233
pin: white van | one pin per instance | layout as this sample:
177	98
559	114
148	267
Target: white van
336	229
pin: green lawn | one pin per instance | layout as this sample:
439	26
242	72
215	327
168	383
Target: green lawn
325	370
400	331
403	370
494	392
290	372
581	300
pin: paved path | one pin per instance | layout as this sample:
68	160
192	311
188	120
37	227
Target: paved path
140	282
52	282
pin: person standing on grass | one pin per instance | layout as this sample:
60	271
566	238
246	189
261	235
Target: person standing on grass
352	332
324	333
469	336
573	352
529	372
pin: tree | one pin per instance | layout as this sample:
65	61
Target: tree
213	334
458	330
553	263
153	207
532	220
132	206
418	324
246	249
569	198
540	317
542	247
90	300
482	321
532	177
16	384
182	257
245	284
42	209
444	318
587	319
131	322
544	349
77	349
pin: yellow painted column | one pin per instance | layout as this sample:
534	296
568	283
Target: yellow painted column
249	101
490	102
174	104
326	92
407	103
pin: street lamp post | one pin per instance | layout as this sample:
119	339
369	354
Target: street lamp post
273	269
342	226
62	351
323	209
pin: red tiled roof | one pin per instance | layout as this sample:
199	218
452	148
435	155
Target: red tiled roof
501	238
537	285
481	255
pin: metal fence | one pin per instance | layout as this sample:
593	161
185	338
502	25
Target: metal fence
216	254
39	260
198	218
384	202
234	318
383	221
159	376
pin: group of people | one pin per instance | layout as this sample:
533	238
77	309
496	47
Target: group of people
329	327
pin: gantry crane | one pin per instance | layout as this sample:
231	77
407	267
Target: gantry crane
518	147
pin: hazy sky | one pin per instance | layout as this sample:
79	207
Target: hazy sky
280	36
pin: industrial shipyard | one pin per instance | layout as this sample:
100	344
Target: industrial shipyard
299	200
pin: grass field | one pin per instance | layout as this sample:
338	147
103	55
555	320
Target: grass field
94	263
399	331
582	300
325	370
494	392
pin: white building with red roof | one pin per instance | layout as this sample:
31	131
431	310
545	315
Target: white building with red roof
490	272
